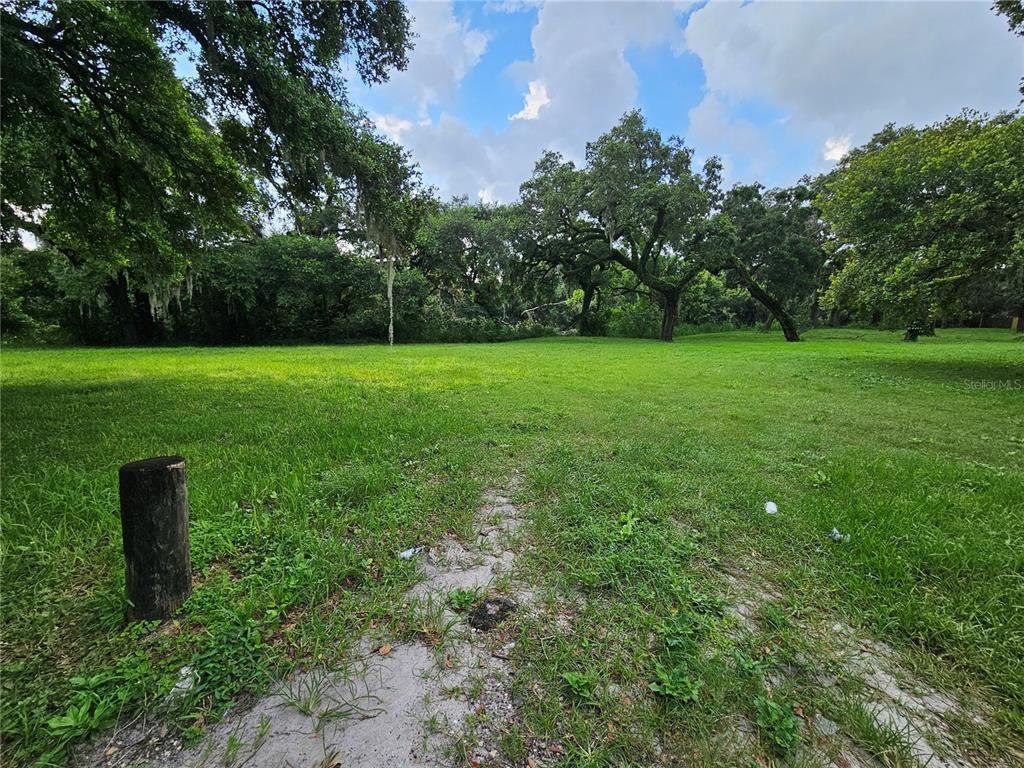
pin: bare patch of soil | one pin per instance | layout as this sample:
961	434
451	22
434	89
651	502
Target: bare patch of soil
395	704
898	701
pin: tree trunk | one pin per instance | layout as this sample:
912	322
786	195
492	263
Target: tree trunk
770	303
123	309
391	297
154	525
815	310
132	312
147	325
669	314
585	323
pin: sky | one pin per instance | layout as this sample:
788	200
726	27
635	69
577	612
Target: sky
776	89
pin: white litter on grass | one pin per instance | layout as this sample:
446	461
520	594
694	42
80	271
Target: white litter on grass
186	682
839	538
409	554
771	508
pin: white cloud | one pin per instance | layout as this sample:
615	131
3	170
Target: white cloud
533	102
853	67
391	126
486	194
714	129
823	72
836	148
445	50
579	84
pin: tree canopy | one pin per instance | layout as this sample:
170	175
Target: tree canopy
125	168
657	213
153	147
779	247
925	211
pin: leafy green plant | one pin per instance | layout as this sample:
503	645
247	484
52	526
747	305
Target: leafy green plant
710	605
582	685
628	521
82	718
778	723
820	480
94	706
682	634
747	664
675	683
461	600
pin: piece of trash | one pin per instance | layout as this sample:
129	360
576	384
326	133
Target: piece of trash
186	682
839	538
408	554
771	508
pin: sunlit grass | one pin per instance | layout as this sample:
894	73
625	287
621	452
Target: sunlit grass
310	467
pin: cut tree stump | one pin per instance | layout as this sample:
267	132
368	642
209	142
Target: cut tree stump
154	526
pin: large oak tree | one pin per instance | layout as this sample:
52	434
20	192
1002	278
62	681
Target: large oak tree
657	213
778	248
124	168
922	213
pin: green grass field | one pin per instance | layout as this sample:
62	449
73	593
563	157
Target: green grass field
647	467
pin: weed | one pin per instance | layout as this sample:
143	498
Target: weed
676	683
778	723
461	600
627	524
582	685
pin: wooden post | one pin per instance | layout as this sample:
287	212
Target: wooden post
154	527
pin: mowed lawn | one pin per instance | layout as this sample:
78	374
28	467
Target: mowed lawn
646	466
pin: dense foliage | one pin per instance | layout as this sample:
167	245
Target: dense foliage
928	215
194	172
127	170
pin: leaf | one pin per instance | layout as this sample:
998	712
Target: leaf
385	649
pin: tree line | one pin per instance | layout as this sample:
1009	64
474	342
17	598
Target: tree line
249	201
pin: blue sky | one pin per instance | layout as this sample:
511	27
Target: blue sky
777	89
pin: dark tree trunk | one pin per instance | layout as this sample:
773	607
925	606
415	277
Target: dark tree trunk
586	326
148	328
132	313
669	314
833	317
123	309
154	526
770	303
